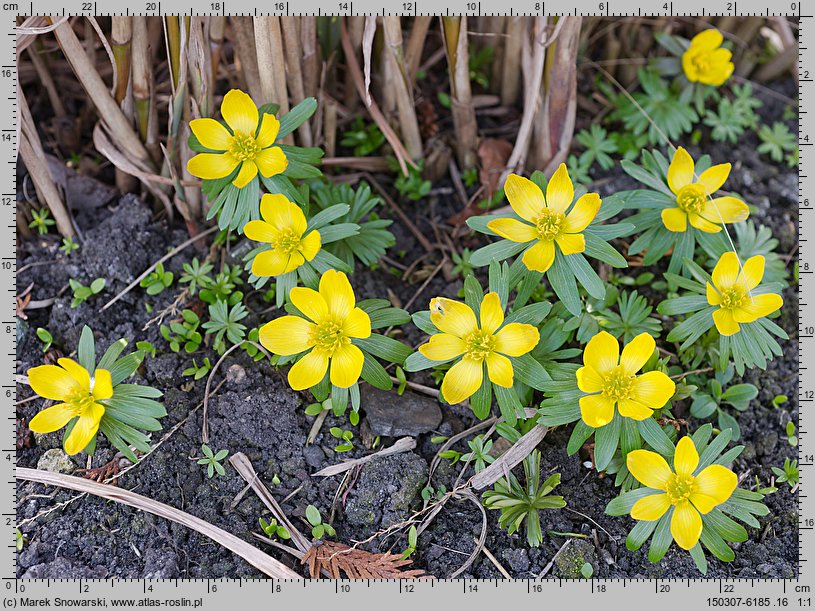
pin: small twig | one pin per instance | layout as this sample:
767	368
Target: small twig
425	390
404	444
468	494
315	428
494	561
689	373
549	566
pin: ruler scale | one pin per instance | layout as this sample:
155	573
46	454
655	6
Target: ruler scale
219	594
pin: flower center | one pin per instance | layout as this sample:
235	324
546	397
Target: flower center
479	345
617	384
244	146
732	298
680	487
287	241
548	224
80	402
691	198
701	62
329	336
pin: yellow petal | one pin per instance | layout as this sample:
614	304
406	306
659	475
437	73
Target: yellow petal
686	458
653	389
634	409
53	382
358	324
309	302
462	380
85	429
513	229
725	322
247	172
636	353
452	317
102	384
583	213
757	307
539	258
713	297
680	172
714	177
602	353
443	347
524	196
270	263
211	134
310	245
500	370
707	40
346	365
571	243
588	380
272	161
651	507
338	294
596	410
287	335
516	339
295	261
715	483
309	370
492	316
260	231
52	419
726	271
77	372
675	219
269	127
210	166
560	190
686	525
703	224
649	468
751	272
240	112
274	209
725	210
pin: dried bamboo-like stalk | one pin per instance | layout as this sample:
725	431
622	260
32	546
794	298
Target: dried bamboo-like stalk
400	85
47	81
120	40
330	128
172	30
416	44
269	48
466	128
356	26
511	64
245	54
294	71
495	37
143	96
554	121
216	27
311	55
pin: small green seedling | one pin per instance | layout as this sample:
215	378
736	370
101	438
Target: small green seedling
792	438
346	437
452	455
363	139
789	473
413	537
82	292
146	348
461	263
712	399
319	529
45	337
779	400
274	530
413	186
213	460
198	371
428	492
42	220
222	288
587	570
196	274
253	351
68	246
400	375
20	539
314	409
157	280
479	453
765	490
224	324
183	333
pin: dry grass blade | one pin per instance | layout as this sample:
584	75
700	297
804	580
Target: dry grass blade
341	560
404	444
455	42
252	555
400	86
510	458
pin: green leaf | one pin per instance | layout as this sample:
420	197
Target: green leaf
606	441
375	374
419	362
125	367
598	248
497	251
662	538
86	350
563	283
313	515
586	275
655	437
532	314
384	347
481	401
530	371
324	217
296	117
111	354
580	434
622	505
339	231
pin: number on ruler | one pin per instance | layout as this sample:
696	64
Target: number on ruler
215	6
279	6
343	6
150	6
407	6
730	6
472	7
87	6
602	6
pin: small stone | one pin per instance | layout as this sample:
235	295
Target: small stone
235	375
390	415
56	461
572	559
517	559
314	456
160	564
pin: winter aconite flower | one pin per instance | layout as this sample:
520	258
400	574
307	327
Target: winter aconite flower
706	61
79	394
325	331
732	292
694	201
246	141
545	219
690	494
490	344
613	380
284	228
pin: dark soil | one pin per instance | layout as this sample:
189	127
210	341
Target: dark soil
256	413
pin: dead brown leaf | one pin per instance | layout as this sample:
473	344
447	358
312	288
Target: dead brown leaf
341	560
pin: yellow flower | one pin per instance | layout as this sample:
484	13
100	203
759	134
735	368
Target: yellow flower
490	343
331	321
283	227
689	494
79	394
547	221
731	291
694	200
613	380
706	61
247	142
